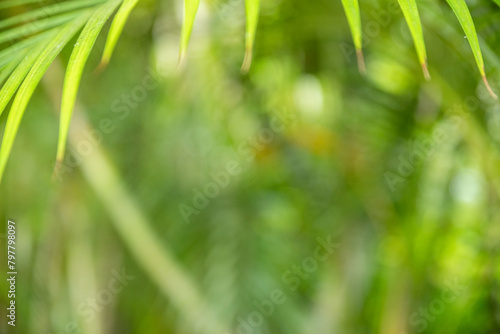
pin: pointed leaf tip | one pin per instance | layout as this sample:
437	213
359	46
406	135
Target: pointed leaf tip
462	12
489	88
361	61
252	19
425	70
247	61
412	17
76	64
101	67
190	10
116	30
56	170
351	9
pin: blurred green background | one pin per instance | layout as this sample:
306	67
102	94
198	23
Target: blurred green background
400	174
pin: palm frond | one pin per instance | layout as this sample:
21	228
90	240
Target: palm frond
462	12
252	18
116	29
29	33
190	9
351	8
15	3
31	81
47	11
76	64
33	28
410	12
39	35
17	76
412	17
5	73
12	52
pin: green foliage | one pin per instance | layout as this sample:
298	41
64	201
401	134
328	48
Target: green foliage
412	17
30	82
463	15
190	9
77	62
316	145
117	28
410	11
48	29
15	3
47	11
351	8
252	18
56	15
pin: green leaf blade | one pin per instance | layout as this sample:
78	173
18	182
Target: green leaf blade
7	54
17	76
412	17
116	29
351	8
252	18
16	3
47	11
76	64
9	68
462	12
35	27
29	84
190	9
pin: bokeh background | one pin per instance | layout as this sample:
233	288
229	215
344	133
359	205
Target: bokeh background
400	174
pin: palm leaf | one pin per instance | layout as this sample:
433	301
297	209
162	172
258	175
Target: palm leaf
462	12
7	70
190	9
41	25
12	52
31	81
116	29
351	8
17	77
14	3
76	64
410	12
252	18
47	11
